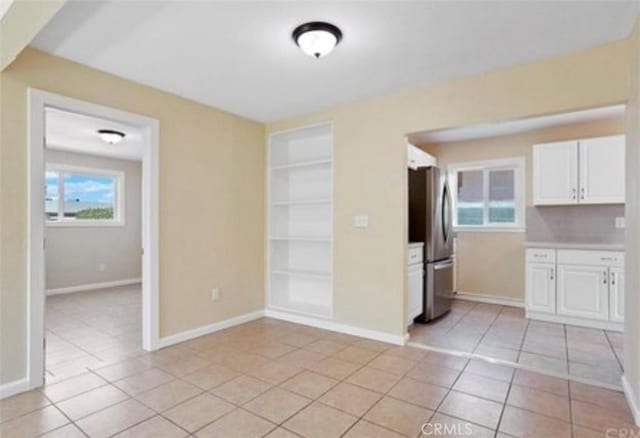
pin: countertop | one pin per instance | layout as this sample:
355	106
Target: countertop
572	245
416	244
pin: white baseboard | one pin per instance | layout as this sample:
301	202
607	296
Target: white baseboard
631	400
93	286
490	299
15	387
337	327
187	335
590	323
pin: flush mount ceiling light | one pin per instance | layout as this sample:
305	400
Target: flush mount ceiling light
317	38
110	136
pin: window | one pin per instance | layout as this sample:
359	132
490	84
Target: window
83	196
488	194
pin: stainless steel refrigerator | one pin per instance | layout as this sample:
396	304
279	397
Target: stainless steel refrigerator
430	221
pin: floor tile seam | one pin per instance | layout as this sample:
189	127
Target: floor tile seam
516	365
613	350
484	334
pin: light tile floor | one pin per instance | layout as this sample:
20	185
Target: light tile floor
504	333
87	329
282	380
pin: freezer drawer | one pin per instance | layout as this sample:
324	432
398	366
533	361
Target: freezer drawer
439	289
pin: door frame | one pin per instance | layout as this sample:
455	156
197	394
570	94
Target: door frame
38	101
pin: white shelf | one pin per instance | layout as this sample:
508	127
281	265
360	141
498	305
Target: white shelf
301	202
306	274
299	164
300	221
302	238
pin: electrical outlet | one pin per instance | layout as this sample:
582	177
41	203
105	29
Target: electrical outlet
361	221
215	294
620	222
102	267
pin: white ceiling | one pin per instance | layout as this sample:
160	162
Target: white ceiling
239	56
74	132
514	126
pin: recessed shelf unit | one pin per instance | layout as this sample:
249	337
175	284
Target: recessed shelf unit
300	221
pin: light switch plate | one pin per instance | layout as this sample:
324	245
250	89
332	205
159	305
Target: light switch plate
361	221
620	222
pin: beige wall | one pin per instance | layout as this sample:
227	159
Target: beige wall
370	161
211	199
73	254
492	263
632	236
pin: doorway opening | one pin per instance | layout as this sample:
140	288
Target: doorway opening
93	236
538	253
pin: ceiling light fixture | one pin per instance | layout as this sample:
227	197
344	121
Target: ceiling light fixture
110	136
317	38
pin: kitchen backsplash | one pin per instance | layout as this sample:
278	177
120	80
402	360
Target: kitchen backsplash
575	224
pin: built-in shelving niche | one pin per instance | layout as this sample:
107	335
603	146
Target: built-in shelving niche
300	221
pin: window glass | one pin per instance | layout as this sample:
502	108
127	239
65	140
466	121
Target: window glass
51	195
470	204
89	197
502	205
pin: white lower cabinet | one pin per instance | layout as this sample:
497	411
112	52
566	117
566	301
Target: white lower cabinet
616	295
541	287
583	291
415	291
575	287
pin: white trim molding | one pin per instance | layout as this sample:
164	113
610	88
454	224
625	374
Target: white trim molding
589	323
93	286
337	327
15	387
631	400
187	335
490	299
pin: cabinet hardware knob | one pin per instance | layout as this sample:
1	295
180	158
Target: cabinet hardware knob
551	276
573	196
604	278
613	279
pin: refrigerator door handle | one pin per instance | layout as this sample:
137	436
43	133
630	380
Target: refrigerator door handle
445	212
438	266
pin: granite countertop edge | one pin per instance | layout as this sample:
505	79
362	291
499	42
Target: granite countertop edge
576	245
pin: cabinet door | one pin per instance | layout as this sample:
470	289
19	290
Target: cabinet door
602	169
541	287
616	294
415	283
583	291
555	173
412	157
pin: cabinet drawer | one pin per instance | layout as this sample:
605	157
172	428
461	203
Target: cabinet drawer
541	255
415	254
590	258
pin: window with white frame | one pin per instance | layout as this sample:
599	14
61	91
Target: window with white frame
83	196
488	194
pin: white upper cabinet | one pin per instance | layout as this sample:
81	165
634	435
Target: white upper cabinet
585	171
602	170
416	157
555	173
